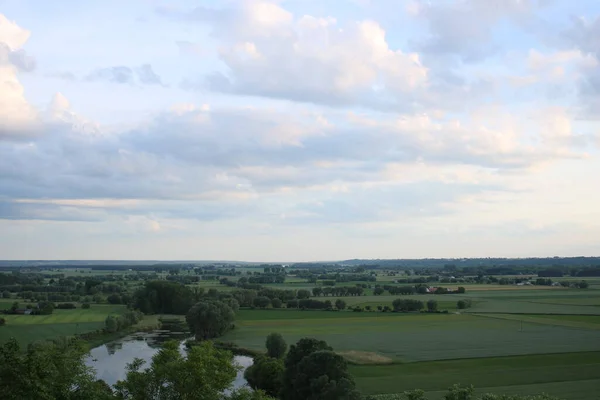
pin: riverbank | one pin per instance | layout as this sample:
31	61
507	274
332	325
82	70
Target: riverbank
97	338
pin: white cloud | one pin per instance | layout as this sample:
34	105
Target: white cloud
271	53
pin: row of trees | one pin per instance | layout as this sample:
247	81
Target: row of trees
116	323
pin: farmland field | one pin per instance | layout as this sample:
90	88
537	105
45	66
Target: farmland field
29	328
413	337
518	340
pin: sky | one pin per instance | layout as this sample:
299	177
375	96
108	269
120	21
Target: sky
297	130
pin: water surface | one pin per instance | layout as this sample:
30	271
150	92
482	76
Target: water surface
110	360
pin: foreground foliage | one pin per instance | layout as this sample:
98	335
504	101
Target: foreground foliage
48	371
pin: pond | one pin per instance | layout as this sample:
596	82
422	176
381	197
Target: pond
110	360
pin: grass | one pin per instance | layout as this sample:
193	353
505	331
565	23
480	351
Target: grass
412	337
29	328
487	374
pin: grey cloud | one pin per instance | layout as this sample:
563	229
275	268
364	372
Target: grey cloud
583	35
233	154
50	212
64	75
112	74
465	28
17	58
144	74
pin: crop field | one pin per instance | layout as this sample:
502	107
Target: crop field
29	328
413	337
518	340
557	374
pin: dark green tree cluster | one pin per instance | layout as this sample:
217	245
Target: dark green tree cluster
406	305
116	323
310	370
209	319
163	297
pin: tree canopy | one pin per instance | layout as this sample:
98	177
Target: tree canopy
276	345
209	319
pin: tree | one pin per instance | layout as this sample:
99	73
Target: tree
262	302
86	306
582	285
276	345
317	291
2	321
266	374
378	290
163	297
458	392
462	304
323	375
297	352
111	324
406	305
432	306
340	304
204	374
303	294
210	319
48	370
461	290
6	294
114	299
276	303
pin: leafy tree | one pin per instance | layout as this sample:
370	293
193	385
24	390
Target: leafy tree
2	321
368	308
340	304
114	299
203	375
276	303
378	290
458	392
461	290
210	319
163	297
317	291
462	304
6	294
276	345
303	294
582	285
245	394
297	352
266	374
85	306
48	371
262	302
111	324
324	375
406	305
432	306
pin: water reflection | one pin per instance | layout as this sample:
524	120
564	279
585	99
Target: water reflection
110	360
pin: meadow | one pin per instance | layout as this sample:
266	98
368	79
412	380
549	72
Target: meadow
30	328
513	340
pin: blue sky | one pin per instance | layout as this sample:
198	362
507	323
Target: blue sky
299	130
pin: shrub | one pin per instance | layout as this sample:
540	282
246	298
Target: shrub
85	306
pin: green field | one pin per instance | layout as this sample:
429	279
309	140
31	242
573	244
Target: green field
513	341
29	328
413	337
